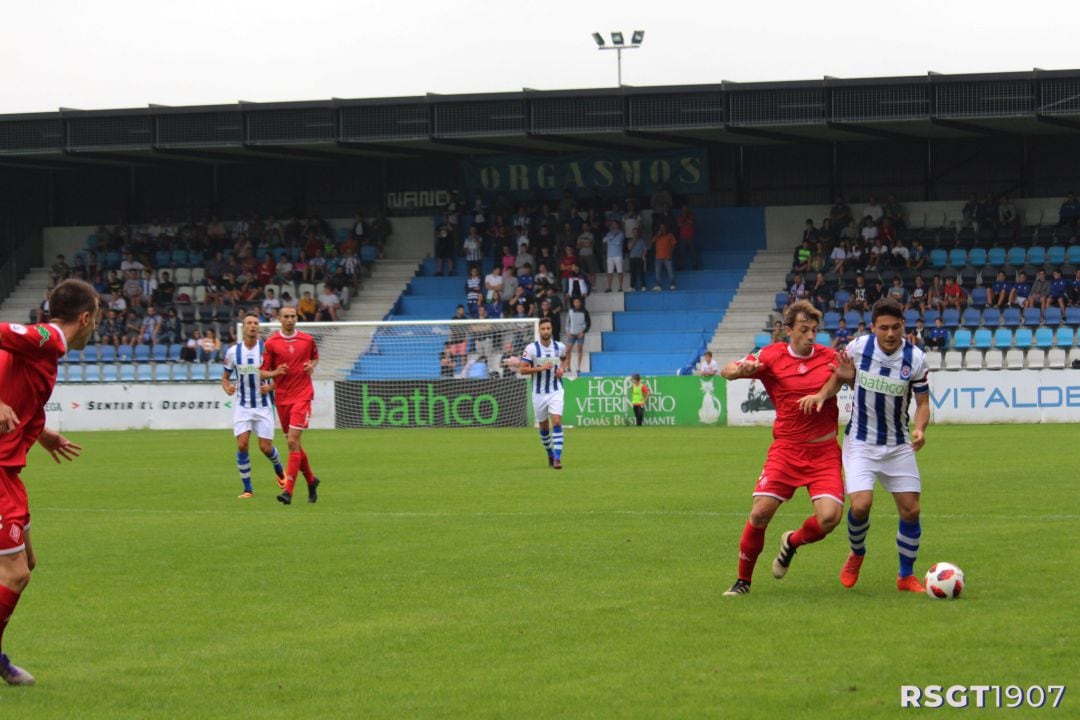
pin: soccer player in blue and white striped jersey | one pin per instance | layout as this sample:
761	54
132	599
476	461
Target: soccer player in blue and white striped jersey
888	371
254	407
545	360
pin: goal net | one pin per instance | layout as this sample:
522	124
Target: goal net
437	373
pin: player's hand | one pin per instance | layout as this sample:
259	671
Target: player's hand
559	372
8	419
230	389
918	439
309	367
844	369
811	402
280	369
58	445
747	368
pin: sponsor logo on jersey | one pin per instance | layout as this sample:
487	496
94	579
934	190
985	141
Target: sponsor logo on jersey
905	372
44	333
882	384
18	329
803	369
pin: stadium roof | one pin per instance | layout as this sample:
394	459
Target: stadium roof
627	119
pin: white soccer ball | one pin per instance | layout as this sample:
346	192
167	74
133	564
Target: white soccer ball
944	581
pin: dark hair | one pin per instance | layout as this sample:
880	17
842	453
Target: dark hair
251	313
887	307
545	321
70	299
801	307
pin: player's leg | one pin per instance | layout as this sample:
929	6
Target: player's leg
752	540
818	467
15	566
555	410
265	432
900	476
860	471
242	429
540	409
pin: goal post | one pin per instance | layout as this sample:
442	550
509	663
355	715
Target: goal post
425	373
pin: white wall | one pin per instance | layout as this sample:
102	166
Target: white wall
64	241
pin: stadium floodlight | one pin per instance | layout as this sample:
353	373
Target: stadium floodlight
618	44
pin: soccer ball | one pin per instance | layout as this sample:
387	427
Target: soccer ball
944	581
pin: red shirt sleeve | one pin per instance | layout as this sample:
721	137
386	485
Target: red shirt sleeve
32	340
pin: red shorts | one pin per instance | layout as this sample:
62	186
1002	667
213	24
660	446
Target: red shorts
14	512
296	415
790	465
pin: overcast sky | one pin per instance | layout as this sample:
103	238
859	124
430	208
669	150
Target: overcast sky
90	54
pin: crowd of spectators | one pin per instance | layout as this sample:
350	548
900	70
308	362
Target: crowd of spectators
256	264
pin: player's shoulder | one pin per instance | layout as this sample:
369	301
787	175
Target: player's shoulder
858	344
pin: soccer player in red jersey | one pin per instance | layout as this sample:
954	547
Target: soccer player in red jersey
290	356
28	361
804	452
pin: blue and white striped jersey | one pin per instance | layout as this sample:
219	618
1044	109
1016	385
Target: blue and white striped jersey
243	362
536	353
883	388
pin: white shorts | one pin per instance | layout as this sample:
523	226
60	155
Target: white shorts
614	264
893	465
547	404
257	420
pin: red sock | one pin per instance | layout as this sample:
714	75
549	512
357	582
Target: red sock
293	468
810	532
8	600
750	545
305	467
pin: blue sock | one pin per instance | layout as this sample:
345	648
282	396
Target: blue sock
545	440
556	441
856	533
243	464
907	545
276	460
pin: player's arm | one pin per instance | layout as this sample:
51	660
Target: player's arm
564	364
738	369
310	365
922	420
8	419
58	445
226	381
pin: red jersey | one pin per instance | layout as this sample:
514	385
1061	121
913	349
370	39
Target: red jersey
28	359
788	377
295	350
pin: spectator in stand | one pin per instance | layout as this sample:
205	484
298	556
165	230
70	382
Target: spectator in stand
42	314
708	366
129	263
868	231
271	304
986	213
900	255
664	244
820	295
444	249
878	254
380	233
148	287
1074	290
850	232
60	270
473	246
1069	212
917	335
496	308
316	267
566	264
873	210
614	244
638	250
1000	291
132	329
133	289
779	333
118	303
1059	292
1007	216
524	258
214	268
171	331
841	335
283	270
526	281
209	347
266	270
897	291
797	289
838	257
938	337
876	292
917	296
474	291
329	305
954	295
230	289
688	254
150	328
287	300
1040	293
970	212
307	307
894	212
493	283
165	291
919	256
507	259
578	323
577	285
840	213
935	295
586	254
543	279
810	234
861	330
860	296
800	258
1021	290
111	330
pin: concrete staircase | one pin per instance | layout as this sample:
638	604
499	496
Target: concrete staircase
748	313
26	298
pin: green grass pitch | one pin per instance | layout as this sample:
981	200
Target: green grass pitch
451	574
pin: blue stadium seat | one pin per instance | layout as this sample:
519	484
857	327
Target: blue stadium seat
832	319
174	352
958	257
91	373
962	339
1044	337
198	372
780	300
144	372
1055	255
951	318
1016	255
841	297
1011	317
71	357
180	256
1053	316
160	353
196	258
124	354
1064	337
823	338
1036	255
127	373
110	373
971	317
978	297
161	258
1023	338
983	339
977	257
910	316
939	258
216	370
1073	255
1072	315
142	353
112	260
107	353
930	316
90	353
1003	338
867	317
991	317
1032	316
995	257
762	339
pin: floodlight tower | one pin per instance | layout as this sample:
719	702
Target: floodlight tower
618	44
